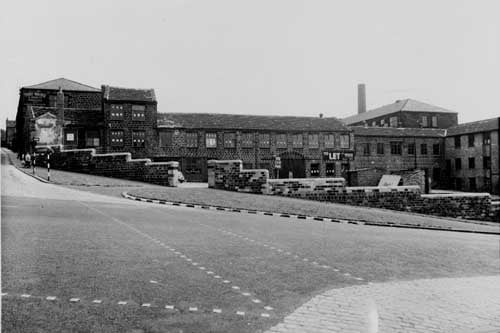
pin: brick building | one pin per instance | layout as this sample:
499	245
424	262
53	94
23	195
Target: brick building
407	113
472	156
130	117
383	150
306	146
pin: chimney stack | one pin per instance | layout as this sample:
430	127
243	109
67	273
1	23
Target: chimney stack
361	98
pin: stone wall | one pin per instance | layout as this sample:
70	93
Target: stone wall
230	175
117	165
466	206
291	186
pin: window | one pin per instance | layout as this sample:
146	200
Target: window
192	140
264	140
211	140
486	138
330	169
380	148
395	148
382	122
424	121
423	149
139	139
436	149
116	112
393	121
297	141
229	140
313	141
329	140
457	141
470	140
345	141
247	140
281	141
448	166
70	137
247	165
411	149
117	137
138	112
472	162
365	148
486	162
472	184
166	139
458	183
458	163
314	169
374	123
434	121
92	138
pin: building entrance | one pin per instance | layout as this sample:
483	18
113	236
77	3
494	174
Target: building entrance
292	162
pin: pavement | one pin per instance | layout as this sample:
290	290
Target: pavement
80	261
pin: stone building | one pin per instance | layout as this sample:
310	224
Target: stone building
406	113
305	146
384	150
60	111
130	118
472	156
10	133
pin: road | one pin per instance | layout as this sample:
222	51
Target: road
78	261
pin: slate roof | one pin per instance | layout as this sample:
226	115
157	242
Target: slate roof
128	94
407	105
485	125
398	132
63	83
248	122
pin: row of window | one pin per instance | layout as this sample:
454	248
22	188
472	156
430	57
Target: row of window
138	138
471	138
472	163
264	140
396	148
138	112
425	121
459	183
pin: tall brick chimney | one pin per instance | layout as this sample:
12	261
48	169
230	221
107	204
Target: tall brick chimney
361	98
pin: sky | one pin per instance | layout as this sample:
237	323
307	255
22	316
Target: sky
265	57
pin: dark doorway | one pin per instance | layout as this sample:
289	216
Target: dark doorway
292	162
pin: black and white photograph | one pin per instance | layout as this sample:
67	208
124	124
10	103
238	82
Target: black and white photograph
263	166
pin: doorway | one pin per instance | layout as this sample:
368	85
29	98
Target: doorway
292	162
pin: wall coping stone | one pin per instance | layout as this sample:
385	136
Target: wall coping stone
455	195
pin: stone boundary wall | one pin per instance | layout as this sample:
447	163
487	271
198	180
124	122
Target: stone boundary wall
116	165
229	175
304	185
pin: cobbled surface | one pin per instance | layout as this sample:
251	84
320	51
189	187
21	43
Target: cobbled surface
430	305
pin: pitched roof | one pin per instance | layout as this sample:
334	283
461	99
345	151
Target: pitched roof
64	84
128	94
398	132
407	105
475	127
248	122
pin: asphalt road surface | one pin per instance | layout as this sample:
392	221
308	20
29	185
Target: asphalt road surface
81	262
